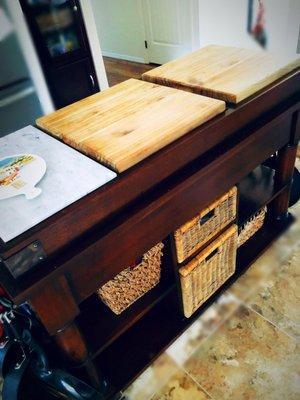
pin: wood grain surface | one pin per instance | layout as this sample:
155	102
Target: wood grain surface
227	73
125	124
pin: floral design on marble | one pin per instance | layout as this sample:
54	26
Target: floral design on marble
152	379
181	387
278	300
247	358
70	176
207	323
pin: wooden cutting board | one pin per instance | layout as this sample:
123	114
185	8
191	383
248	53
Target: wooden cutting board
130	121
226	73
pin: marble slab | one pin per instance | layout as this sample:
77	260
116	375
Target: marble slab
69	176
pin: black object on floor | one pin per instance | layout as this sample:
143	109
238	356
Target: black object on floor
22	355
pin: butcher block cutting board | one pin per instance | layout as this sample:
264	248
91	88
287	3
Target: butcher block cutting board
227	73
130	121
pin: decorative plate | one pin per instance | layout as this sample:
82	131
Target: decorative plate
19	174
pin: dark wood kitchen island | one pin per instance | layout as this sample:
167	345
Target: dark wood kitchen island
89	242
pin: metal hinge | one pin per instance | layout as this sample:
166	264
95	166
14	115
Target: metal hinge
146	44
25	259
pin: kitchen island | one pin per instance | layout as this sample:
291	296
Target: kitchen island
89	242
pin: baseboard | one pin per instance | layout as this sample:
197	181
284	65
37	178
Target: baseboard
123	57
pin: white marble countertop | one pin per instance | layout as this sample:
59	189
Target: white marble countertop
70	176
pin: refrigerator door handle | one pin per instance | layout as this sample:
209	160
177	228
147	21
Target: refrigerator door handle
16	96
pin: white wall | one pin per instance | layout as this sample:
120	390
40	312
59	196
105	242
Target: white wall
225	22
293	29
120	28
280	25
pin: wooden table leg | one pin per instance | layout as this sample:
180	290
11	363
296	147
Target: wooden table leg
56	308
283	176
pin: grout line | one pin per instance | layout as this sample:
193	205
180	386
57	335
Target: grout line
198	384
269	321
261	285
250	291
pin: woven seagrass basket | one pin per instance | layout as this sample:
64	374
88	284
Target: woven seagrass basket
202	276
250	227
208	223
132	283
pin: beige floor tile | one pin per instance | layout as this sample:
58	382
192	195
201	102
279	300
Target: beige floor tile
257	273
207	323
181	387
248	358
152	379
278	300
280	252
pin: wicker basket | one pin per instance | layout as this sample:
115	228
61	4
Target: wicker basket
132	283
209	222
202	276
250	227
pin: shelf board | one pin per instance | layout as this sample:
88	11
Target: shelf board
133	351
101	326
256	190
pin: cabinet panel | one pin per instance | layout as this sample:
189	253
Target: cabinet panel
72	82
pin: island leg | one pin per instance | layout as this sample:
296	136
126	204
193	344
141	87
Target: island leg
56	308
283	176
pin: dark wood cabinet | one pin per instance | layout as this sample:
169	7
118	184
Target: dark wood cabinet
59	35
73	82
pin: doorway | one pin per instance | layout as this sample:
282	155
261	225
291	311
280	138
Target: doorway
147	31
171	28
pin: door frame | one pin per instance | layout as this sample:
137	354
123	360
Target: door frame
194	9
143	24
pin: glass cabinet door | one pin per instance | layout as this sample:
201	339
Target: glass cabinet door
58	26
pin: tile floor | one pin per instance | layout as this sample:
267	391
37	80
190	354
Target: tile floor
246	345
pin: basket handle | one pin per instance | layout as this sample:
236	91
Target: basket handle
206	217
213	253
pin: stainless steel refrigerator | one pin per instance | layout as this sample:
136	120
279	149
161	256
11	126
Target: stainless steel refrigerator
19	104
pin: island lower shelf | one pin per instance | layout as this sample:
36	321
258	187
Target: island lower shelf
121	338
165	322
